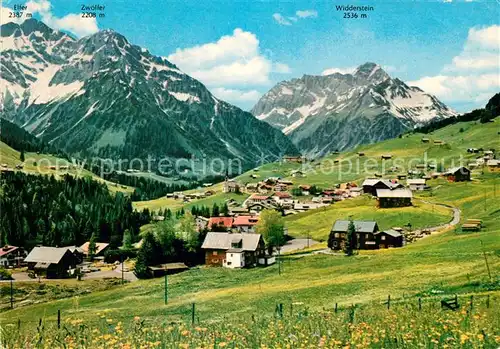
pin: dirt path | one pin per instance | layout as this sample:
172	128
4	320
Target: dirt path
454	221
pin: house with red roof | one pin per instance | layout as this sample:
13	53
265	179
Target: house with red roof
220	223
245	224
11	256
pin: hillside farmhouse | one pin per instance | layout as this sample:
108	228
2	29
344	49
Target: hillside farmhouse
53	262
365	234
101	248
458	174
389	238
394	198
233	250
230	186
370	185
416	184
12	256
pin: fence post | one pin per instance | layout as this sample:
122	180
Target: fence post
281	309
419	303
19	324
58	318
11	294
192	314
166	289
388	301
471	302
456	299
336	307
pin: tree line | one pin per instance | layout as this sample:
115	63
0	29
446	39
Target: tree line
43	210
176	239
483	115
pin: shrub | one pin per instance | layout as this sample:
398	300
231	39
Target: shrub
111	256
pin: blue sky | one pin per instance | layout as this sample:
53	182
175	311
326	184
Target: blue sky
240	49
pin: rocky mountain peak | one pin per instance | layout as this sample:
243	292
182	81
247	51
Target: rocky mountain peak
324	113
371	72
103	96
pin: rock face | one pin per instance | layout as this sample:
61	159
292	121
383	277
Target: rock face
102	96
339	111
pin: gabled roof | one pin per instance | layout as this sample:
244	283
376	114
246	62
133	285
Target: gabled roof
282	195
415	181
245	220
388	183
258	197
457	169
100	246
361	226
223	241
7	249
391	232
395	193
45	254
226	222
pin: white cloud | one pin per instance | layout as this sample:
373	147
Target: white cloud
280	19
281	68
72	22
254	71
289	20
233	60
330	71
234	95
471	76
307	13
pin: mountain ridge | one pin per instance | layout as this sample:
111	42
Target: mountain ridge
340	111
102	96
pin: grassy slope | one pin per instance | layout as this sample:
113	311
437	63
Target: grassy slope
318	223
451	261
43	162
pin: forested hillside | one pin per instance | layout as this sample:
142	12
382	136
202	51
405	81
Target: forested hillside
20	139
42	210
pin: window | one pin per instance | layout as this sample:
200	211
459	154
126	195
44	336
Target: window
383	237
231	254
335	244
357	235
228	263
337	235
214	253
367	236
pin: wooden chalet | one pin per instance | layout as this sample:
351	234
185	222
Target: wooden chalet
230	186
12	256
233	250
371	185
365	234
53	262
458	174
416	184
296	159
389	238
101	248
388	198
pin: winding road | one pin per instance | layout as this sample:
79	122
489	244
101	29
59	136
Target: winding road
455	220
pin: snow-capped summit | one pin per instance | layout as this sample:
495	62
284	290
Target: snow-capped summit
101	95
339	111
